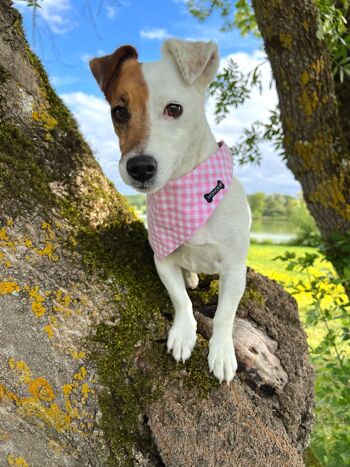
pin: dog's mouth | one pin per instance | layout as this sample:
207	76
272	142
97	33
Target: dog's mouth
145	187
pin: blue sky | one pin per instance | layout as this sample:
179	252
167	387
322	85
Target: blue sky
70	32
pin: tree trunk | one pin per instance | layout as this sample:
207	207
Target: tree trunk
85	377
317	149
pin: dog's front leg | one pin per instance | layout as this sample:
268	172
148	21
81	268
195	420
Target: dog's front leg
222	359
182	334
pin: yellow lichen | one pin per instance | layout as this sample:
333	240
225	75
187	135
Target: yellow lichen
40	403
62	303
76	355
40	114
81	375
49	247
330	193
19	461
305	77
286	40
21	369
41	389
5	394
67	389
27	243
37	301
49	331
8	287
3	235
85	390
308	101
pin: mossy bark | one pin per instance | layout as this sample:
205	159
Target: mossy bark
317	149
86	379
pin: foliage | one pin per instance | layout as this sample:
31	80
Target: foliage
335	32
330	307
232	88
337	251
32	3
307	231
257	203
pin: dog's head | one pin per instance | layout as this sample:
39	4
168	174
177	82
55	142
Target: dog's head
157	108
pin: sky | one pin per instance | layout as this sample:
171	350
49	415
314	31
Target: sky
69	33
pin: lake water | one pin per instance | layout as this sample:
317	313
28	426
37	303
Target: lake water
273	230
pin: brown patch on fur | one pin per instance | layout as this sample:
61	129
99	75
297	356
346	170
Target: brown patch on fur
120	77
130	89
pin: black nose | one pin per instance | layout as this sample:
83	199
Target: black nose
141	168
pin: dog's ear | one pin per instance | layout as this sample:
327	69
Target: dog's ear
106	68
197	61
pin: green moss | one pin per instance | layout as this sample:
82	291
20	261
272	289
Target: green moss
22	176
4	75
251	294
207	291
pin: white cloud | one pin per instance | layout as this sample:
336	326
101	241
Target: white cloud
111	11
271	176
86	57
55	13
154	34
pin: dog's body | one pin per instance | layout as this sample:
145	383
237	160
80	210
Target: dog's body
165	136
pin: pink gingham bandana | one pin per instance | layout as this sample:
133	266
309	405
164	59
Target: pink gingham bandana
183	206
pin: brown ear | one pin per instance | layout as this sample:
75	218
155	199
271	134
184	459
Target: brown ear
106	68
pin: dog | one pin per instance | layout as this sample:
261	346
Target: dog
158	113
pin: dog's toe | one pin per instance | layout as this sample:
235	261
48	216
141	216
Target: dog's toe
182	339
222	360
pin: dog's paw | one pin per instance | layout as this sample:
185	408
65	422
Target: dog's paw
182	339
222	358
191	279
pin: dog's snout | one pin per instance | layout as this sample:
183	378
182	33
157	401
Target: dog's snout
141	168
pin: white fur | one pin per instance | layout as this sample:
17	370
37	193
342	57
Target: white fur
221	245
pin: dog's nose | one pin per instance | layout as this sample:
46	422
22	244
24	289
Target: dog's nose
141	168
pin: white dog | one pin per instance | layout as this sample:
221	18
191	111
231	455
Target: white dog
158	114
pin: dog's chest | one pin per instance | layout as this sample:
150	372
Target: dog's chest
201	253
199	258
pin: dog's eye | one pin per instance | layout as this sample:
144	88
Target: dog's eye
120	114
173	110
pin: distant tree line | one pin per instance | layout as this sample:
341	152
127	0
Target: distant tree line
275	205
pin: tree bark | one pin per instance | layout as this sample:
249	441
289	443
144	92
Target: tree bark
85	378
316	147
